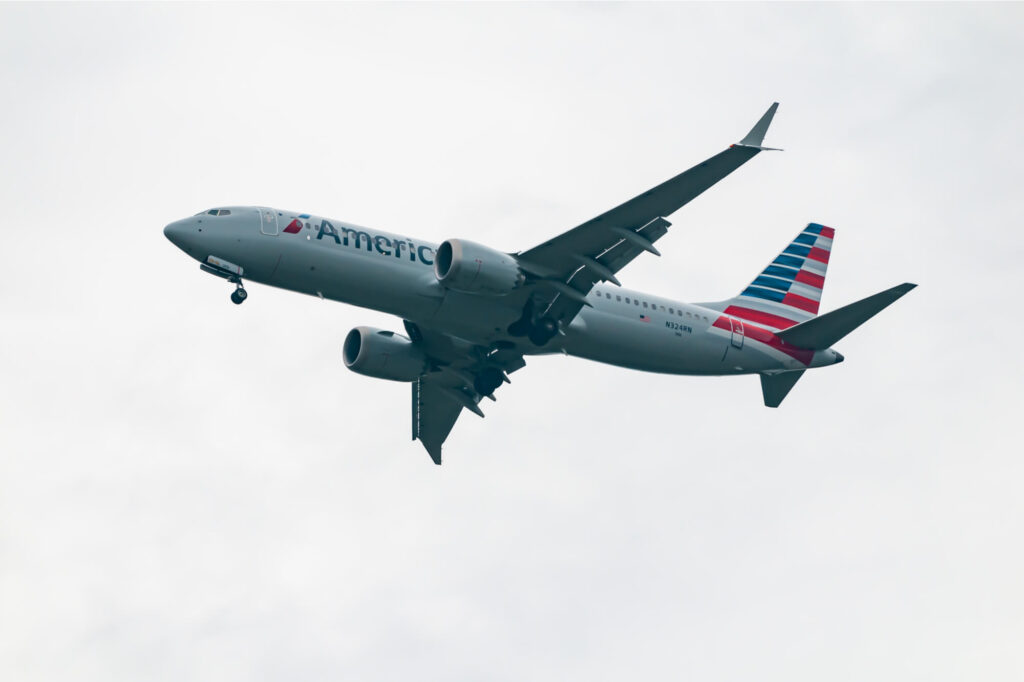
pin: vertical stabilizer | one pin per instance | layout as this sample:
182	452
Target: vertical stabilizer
788	291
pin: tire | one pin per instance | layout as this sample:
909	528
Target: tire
487	381
538	337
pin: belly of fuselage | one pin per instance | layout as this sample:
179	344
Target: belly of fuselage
659	344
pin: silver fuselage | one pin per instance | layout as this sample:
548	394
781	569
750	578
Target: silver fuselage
394	274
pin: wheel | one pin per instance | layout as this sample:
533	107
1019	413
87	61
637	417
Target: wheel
238	296
543	331
487	381
538	337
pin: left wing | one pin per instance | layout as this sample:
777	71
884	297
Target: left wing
571	263
462	375
434	413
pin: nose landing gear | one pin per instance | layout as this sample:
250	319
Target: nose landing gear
239	295
230	272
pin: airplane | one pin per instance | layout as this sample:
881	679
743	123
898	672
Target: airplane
472	314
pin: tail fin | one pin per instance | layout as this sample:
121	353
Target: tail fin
788	291
824	331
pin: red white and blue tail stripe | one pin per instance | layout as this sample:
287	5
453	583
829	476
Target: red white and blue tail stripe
788	291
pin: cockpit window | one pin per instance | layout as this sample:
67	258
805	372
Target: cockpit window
219	211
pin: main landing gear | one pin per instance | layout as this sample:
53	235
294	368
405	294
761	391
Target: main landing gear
542	331
538	330
488	380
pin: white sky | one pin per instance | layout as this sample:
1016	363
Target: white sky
194	490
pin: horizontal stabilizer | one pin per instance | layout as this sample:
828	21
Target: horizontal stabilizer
776	387
825	330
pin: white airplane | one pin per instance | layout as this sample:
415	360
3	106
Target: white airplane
472	313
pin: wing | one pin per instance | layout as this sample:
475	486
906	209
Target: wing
562	271
569	265
462	375
434	413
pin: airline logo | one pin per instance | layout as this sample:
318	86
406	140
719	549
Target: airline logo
788	291
374	243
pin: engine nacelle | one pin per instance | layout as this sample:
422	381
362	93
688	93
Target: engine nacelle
476	269
383	355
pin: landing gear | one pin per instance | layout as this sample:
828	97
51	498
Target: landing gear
488	380
543	331
230	272
539	331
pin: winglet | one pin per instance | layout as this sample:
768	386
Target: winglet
756	135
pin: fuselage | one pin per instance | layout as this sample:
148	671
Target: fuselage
395	274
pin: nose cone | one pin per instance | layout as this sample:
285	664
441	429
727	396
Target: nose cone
180	234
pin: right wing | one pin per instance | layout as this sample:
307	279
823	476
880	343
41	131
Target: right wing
571	263
562	270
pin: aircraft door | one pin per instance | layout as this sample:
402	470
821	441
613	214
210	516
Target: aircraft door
268	221
737	333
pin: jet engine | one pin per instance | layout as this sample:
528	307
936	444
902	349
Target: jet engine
476	269
383	355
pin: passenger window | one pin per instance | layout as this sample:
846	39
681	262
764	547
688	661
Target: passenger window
618	298
645	304
671	312
679	313
688	315
627	300
636	302
608	296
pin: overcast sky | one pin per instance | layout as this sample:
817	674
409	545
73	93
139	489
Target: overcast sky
192	490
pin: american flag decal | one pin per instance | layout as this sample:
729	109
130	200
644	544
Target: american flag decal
645	318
